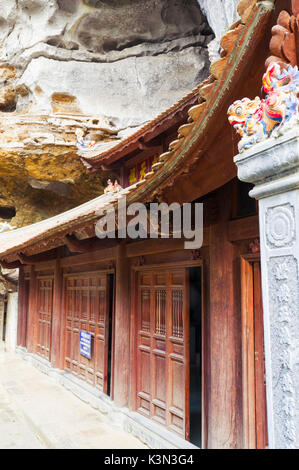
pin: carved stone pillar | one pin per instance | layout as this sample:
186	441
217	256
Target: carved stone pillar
273	167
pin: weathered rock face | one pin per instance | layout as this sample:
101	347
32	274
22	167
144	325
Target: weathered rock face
111	56
107	66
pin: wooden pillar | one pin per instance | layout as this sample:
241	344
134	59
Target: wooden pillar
22	309
223	396
122	328
273	167
57	319
31	318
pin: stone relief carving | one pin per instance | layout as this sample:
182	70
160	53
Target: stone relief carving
284	304
280	226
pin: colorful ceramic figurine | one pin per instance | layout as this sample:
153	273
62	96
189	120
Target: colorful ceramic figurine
109	188
112	188
83	142
117	186
256	119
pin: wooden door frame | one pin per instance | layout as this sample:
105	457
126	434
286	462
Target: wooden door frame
248	347
198	263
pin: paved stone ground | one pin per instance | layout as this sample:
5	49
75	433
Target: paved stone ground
38	413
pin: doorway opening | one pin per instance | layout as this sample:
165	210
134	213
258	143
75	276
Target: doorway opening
4	320
110	333
195	364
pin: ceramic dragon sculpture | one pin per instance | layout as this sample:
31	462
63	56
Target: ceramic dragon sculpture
255	120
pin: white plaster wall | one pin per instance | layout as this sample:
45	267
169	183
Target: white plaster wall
11	322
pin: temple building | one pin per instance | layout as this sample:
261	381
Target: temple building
183	348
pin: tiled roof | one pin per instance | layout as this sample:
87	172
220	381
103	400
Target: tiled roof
19	238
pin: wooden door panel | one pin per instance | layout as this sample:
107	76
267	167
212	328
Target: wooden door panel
159	393
87	309
254	387
144	381
259	360
177	406
161	352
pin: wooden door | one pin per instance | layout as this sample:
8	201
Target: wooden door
44	316
259	361
162	345
254	383
87	309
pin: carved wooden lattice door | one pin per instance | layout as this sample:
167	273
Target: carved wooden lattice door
87	309
44	316
162	349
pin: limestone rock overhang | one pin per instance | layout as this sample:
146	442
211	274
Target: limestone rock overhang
203	153
39	162
115	151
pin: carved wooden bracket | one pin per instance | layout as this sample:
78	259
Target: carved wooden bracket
284	45
77	246
31	260
13	265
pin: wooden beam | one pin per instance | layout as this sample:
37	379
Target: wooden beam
91	257
90	244
78	246
160	245
32	260
151	144
243	229
151	246
13	265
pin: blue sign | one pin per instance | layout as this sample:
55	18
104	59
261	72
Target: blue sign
85	344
